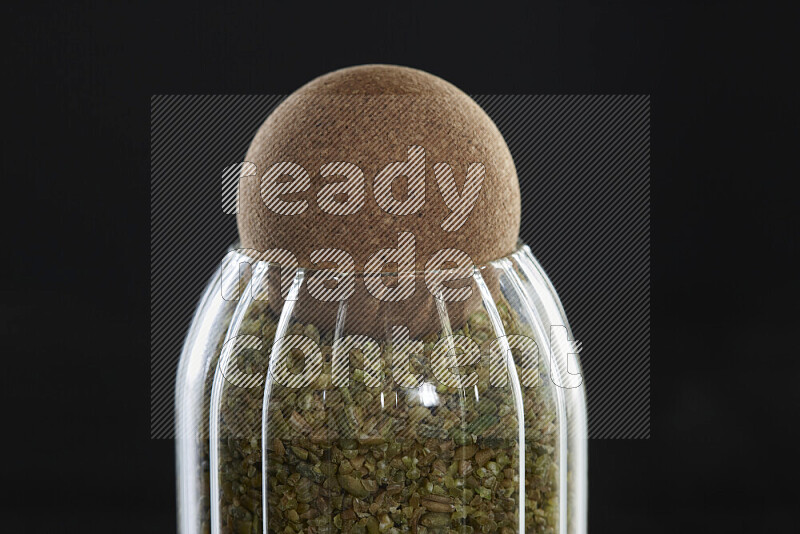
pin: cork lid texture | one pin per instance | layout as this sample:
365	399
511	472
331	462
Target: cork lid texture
374	157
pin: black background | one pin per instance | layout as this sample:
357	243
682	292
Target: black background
78	80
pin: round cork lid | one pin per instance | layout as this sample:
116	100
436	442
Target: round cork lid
362	158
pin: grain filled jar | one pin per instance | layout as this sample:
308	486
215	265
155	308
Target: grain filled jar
380	353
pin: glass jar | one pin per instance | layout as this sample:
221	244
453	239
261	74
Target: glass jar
458	409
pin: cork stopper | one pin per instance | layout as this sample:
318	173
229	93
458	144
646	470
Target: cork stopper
365	157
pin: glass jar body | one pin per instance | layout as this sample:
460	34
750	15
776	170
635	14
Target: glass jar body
456	409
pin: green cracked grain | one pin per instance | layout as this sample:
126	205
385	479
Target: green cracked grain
345	465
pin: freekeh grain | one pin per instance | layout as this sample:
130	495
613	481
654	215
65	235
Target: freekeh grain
340	461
